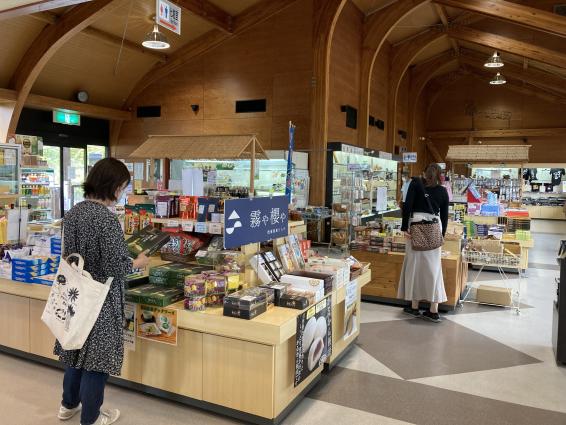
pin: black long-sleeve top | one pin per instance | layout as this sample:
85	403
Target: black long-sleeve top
416	202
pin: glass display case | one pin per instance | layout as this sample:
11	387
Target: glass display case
36	186
234	176
378	177
10	157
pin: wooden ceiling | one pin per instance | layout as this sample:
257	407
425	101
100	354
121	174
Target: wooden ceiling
72	68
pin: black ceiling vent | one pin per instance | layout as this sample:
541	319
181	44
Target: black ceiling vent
148	111
253	105
560	9
380	124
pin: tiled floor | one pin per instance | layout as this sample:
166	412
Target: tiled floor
482	365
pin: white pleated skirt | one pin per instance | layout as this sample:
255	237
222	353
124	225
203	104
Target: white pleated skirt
421	275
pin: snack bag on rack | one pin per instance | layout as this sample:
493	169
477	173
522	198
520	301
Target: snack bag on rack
131	220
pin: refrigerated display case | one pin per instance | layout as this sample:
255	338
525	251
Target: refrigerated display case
36	192
10	158
379	177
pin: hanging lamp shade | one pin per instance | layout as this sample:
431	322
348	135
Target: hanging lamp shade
494	61
155	40
498	79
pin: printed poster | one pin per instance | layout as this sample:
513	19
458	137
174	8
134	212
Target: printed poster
351	309
129	332
157	324
314	339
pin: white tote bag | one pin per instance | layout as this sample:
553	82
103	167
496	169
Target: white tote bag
74	303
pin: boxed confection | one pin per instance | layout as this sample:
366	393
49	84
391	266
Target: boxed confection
248	303
195	303
297	299
154	295
267	267
244	314
329	279
278	289
306	283
195	285
249	298
214	300
488	294
331	265
148	239
175	270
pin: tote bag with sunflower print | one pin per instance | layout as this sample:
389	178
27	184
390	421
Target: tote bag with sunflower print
74	303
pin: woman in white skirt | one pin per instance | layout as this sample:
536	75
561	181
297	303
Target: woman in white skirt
421	276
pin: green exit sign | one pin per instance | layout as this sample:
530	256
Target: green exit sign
69	118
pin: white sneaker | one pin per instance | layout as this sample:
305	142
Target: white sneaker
107	417
66	414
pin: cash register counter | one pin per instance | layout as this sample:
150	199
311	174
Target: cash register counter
240	368
386	271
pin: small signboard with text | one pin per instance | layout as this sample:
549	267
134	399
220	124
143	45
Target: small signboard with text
168	15
253	220
409	157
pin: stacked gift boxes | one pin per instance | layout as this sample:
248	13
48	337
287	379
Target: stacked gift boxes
39	270
55	244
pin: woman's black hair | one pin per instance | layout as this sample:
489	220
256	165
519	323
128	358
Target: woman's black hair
105	178
432	174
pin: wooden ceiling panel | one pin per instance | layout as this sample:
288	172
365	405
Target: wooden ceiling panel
371	6
434	49
72	68
16	35
521	33
139	24
419	20
234	7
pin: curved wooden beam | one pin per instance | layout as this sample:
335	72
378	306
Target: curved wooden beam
510	45
376	29
47	43
403	56
326	16
515	13
420	76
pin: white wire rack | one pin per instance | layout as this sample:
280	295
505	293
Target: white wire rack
500	261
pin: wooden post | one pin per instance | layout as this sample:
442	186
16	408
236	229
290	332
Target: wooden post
252	168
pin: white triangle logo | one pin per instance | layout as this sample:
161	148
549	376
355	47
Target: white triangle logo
234	215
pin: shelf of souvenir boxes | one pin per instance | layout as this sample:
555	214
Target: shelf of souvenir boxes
382	235
457	211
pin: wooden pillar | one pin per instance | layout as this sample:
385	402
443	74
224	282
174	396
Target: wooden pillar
326	13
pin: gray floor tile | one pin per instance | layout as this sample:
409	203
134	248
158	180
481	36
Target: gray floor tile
417	349
422	404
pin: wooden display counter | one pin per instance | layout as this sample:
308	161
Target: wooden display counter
386	271
546	212
240	368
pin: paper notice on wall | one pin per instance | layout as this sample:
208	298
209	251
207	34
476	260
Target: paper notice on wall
193	182
129	332
381	198
351	309
138	171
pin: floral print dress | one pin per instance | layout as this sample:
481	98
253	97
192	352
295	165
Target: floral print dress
94	232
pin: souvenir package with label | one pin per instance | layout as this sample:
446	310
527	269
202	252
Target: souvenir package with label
278	288
148	239
267	267
131	220
183	244
295	252
206	207
146	214
166	206
195	303
188	207
248	303
153	295
215	283
195	285
285	258
331	265
306	283
328	278
214	300
297	299
172	275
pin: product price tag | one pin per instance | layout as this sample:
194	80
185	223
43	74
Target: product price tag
215	228
201	227
188	226
172	223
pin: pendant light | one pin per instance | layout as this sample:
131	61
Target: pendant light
155	40
494	61
498	80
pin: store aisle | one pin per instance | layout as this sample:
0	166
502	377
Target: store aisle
483	365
